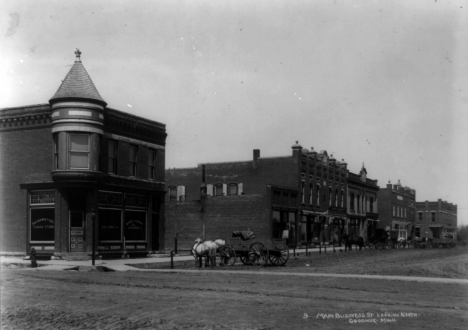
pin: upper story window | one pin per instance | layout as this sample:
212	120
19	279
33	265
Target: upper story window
318	195
329	196
302	192
56	151
311	190
209	190
112	157
342	198
371	204
351	201
219	189
433	216
172	193
79	151
358	198
393	210
233	189
151	164
336	197
133	160
176	193
181	193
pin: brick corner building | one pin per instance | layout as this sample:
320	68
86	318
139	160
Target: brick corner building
438	217
73	157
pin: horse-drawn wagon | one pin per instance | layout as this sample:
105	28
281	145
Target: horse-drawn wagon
442	236
252	252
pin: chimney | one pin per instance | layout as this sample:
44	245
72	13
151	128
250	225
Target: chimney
297	149
256	154
389	185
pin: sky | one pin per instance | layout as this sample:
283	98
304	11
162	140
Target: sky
383	83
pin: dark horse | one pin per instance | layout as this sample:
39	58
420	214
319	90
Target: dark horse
348	242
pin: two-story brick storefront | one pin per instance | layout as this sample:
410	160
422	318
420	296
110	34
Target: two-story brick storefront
362	207
435	219
302	196
397	209
72	160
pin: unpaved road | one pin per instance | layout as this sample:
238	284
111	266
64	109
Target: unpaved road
35	299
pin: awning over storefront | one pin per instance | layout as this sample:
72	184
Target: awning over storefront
368	219
436	226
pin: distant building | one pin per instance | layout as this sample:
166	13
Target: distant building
73	157
362	210
435	216
301	196
397	209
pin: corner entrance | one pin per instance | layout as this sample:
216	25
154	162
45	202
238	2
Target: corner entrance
77	231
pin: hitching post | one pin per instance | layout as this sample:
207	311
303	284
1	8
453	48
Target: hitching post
93	231
33	258
175	243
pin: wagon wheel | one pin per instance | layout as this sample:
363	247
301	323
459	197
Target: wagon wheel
226	256
258	254
230	256
244	257
377	245
279	257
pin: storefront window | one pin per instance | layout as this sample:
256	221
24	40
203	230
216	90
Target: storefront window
277	230
110	225
135	226
292	228
303	231
43	225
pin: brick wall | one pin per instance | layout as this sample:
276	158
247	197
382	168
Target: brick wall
222	216
254	175
26	157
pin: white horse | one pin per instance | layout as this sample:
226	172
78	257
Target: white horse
206	249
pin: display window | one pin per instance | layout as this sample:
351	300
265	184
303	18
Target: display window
42	225
42	216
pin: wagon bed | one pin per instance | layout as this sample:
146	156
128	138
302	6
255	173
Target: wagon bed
251	252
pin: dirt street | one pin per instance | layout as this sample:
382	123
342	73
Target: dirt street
35	299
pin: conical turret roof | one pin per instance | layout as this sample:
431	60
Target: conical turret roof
78	84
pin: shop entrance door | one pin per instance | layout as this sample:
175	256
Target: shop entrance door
77	231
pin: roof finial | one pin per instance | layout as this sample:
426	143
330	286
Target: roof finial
78	54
